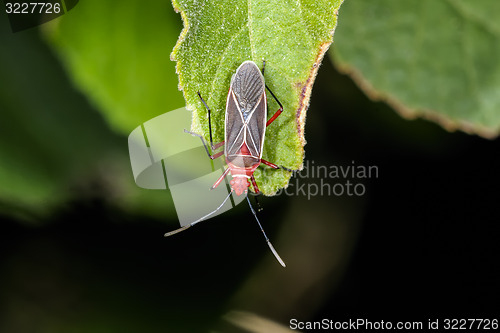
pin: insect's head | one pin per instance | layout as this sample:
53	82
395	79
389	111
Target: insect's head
240	185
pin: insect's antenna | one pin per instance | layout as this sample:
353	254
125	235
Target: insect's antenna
267	239
209	121
199	220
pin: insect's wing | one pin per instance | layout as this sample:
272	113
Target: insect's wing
256	127
246	110
234	125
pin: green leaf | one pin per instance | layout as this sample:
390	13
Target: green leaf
118	53
291	36
437	59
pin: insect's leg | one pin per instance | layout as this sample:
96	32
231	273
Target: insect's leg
217	155
259	207
254	184
265	236
217	183
273	118
214	156
257	193
199	220
209	121
274	166
279	103
217	145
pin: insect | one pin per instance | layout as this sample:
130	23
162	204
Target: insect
245	128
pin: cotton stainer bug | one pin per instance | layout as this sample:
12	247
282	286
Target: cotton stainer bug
245	128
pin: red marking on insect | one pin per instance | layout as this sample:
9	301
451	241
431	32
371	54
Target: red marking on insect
244	133
244	150
239	185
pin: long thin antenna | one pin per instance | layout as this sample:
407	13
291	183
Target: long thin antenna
267	239
199	220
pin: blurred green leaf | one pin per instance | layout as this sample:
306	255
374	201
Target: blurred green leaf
291	37
47	135
54	147
429	58
118	54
